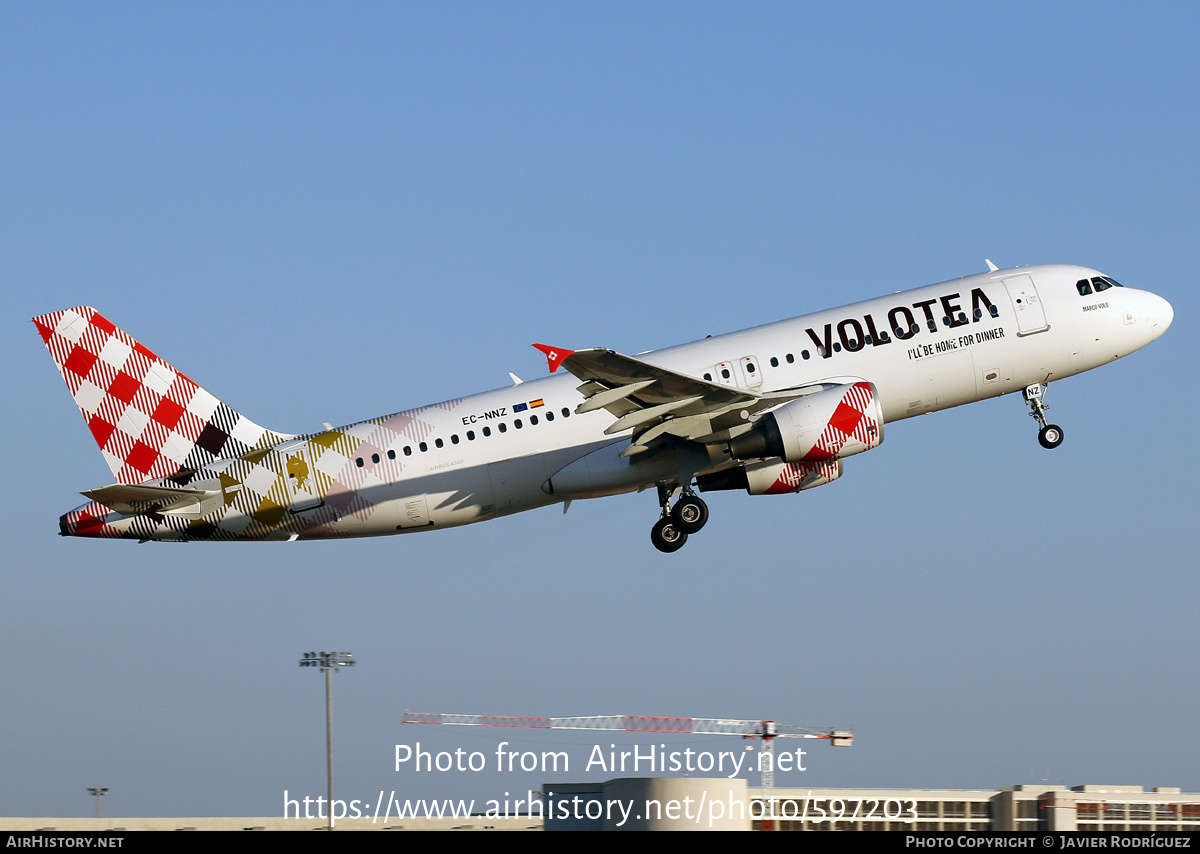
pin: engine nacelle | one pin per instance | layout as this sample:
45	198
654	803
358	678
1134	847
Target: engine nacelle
829	425
772	477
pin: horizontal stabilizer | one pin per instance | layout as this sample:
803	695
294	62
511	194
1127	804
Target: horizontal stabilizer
136	500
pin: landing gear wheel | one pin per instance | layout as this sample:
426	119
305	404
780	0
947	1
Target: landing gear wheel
1050	436
666	536
690	514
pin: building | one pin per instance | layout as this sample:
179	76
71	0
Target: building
722	804
698	803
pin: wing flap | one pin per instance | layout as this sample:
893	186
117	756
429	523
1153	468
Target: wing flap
659	404
657	385
656	402
604	396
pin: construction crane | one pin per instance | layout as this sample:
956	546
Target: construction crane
765	731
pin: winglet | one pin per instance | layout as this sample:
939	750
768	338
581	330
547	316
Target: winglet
555	356
992	268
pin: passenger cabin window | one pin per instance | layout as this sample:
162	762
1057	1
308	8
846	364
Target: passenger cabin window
774	362
391	455
790	358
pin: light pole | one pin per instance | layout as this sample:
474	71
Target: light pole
97	791
328	662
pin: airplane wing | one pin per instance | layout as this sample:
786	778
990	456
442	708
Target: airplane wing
657	403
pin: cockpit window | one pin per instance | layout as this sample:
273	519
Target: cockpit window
1084	287
1100	284
1112	281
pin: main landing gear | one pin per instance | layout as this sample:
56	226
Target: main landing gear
687	517
1051	435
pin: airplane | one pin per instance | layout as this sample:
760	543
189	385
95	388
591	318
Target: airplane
771	410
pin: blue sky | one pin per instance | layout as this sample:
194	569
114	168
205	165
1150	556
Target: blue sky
326	214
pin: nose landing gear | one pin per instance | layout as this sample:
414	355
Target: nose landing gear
687	517
1051	435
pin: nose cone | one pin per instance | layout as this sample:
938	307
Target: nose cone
1158	313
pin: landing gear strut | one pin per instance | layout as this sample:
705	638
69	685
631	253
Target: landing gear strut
1051	435
688	516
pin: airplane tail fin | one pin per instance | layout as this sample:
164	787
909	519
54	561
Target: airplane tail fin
149	419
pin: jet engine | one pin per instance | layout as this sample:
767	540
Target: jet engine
772	477
828	425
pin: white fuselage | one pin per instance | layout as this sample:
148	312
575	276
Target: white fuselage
491	454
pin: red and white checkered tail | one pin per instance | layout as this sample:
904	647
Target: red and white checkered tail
149	419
